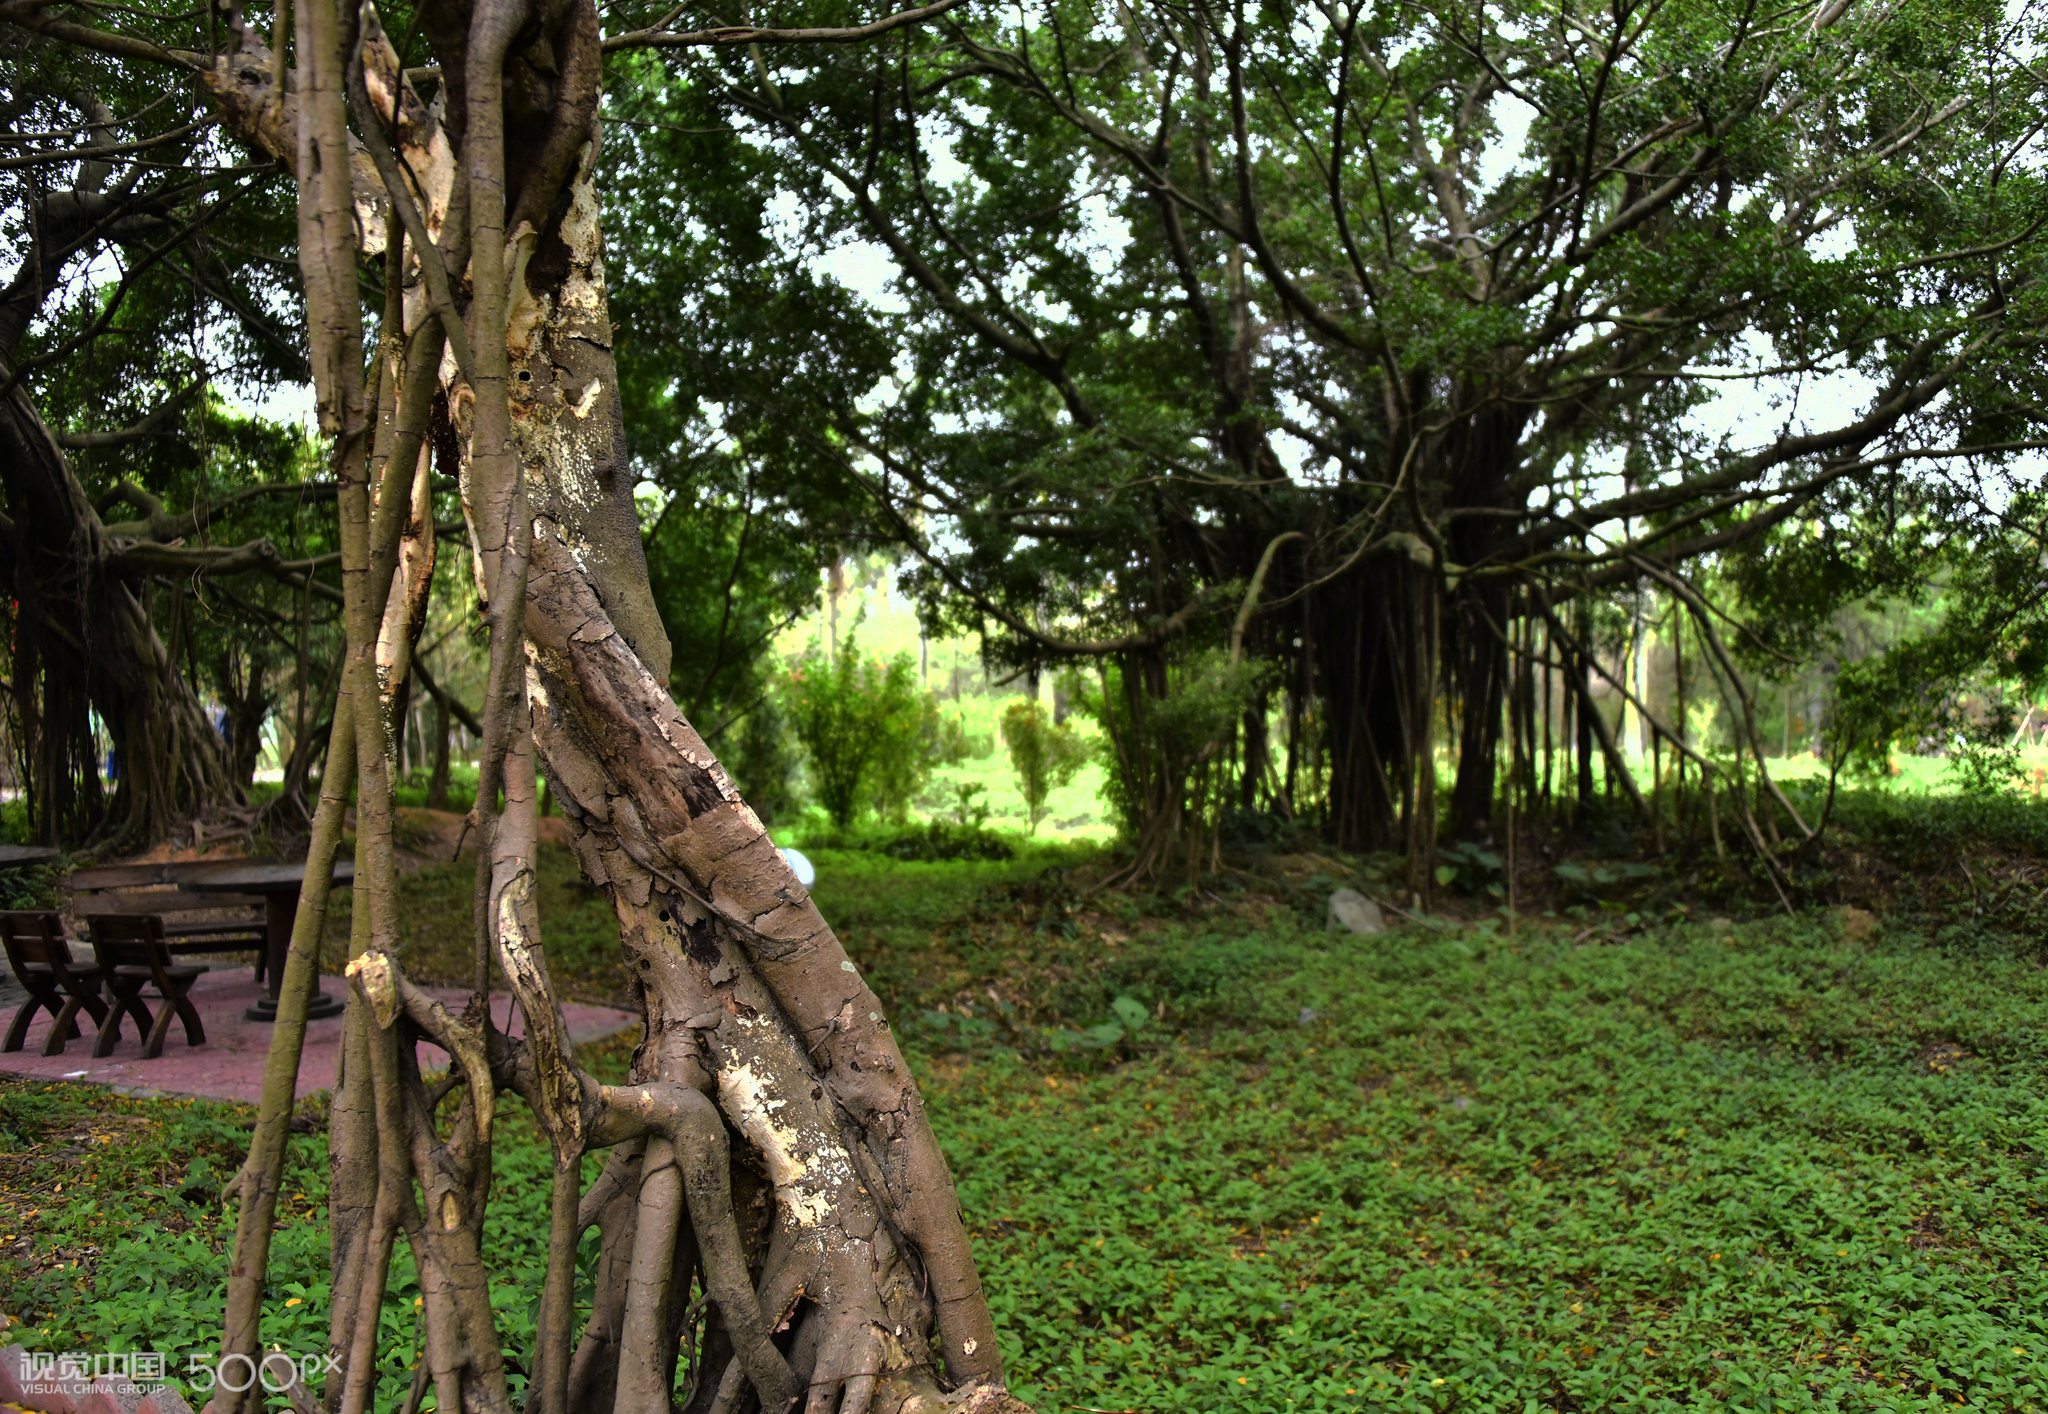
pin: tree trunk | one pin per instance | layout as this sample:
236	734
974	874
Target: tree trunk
1369	659
87	646
747	992
766	1062
437	783
1479	667
247	701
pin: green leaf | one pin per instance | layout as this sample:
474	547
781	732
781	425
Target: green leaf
1445	873
1131	1012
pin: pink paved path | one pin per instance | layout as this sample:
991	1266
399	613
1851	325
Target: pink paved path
229	1066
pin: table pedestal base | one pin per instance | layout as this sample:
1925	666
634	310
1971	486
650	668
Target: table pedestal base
321	1005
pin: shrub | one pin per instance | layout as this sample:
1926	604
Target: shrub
871	735
1044	756
1986	760
948	840
37	886
1157	746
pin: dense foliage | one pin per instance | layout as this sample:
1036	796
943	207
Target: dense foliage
147	307
870	734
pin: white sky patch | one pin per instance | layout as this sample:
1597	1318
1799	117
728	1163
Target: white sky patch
284	402
942	165
1298	459
864	267
1108	234
1751	412
1513	117
1837	242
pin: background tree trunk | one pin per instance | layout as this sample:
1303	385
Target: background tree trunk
90	647
437	782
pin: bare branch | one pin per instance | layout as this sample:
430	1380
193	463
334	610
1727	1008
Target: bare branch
727	35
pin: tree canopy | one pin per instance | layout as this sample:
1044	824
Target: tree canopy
1433	311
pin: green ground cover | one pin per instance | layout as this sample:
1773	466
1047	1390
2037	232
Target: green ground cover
1762	1165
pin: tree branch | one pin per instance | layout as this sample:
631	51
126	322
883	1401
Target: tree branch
727	35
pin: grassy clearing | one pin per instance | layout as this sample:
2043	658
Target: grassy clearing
1761	1165
1075	811
112	1231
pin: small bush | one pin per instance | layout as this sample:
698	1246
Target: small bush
1157	749
37	886
1044	756
1987	758
948	839
970	804
871	736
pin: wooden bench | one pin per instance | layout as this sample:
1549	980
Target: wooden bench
233	922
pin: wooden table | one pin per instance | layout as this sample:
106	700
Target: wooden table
22	856
278	884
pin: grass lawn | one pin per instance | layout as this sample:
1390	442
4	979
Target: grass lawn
1759	1165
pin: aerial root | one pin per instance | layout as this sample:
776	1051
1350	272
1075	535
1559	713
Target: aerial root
687	1159
849	1361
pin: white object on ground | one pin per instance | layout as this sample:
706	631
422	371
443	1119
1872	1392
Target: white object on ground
806	872
1352	912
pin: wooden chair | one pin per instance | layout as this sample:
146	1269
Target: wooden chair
133	955
41	959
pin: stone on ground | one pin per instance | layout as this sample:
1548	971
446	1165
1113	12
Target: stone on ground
1352	912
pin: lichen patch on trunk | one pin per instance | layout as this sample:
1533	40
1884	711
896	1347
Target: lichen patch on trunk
807	1164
